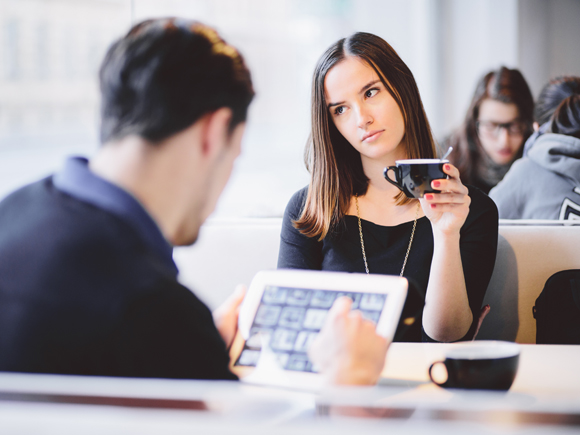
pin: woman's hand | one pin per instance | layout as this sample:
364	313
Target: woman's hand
447	210
447	316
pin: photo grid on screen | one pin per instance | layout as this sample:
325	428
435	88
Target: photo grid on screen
290	318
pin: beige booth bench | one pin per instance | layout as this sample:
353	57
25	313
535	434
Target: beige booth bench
229	252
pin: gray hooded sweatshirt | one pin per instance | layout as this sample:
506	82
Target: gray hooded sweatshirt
543	185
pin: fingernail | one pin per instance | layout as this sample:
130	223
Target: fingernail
433	205
447	167
436	183
429	196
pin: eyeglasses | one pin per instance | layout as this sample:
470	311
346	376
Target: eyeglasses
492	129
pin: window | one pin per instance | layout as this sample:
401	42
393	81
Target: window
50	51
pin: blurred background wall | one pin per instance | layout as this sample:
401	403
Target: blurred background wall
50	51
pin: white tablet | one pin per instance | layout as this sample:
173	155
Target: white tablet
284	310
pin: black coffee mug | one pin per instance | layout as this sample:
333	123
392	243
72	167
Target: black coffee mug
482	365
414	176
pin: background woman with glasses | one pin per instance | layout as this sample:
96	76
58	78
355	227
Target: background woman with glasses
497	123
545	184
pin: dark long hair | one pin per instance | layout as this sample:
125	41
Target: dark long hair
506	86
553	94
566	118
336	171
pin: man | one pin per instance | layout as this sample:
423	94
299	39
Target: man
87	281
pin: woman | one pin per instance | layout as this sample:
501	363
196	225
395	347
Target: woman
497	123
545	184
367	113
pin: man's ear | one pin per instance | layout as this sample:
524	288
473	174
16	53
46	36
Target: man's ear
216	131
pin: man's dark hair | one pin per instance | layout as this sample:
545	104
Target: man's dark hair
164	75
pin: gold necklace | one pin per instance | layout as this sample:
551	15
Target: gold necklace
362	243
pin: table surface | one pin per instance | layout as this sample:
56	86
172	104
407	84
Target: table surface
542	368
545	398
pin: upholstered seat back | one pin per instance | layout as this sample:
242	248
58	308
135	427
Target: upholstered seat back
528	253
229	252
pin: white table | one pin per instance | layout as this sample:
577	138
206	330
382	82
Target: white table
547	385
543	369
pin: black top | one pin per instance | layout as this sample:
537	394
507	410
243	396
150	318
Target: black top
385	249
482	185
81	292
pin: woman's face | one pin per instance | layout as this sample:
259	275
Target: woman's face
500	130
363	111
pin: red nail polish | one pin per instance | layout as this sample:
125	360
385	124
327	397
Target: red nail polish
429	196
433	205
436	184
447	167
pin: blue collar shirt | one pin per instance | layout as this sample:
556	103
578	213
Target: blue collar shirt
78	181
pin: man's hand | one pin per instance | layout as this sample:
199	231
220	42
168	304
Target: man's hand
348	350
226	315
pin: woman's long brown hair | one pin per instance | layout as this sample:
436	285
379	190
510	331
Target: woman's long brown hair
336	171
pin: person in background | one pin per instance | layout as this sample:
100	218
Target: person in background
545	184
88	285
550	97
366	114
497	123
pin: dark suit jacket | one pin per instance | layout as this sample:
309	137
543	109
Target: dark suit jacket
80	293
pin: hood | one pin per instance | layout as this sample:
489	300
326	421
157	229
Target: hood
558	153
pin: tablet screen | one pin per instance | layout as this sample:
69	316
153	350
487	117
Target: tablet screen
292	317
